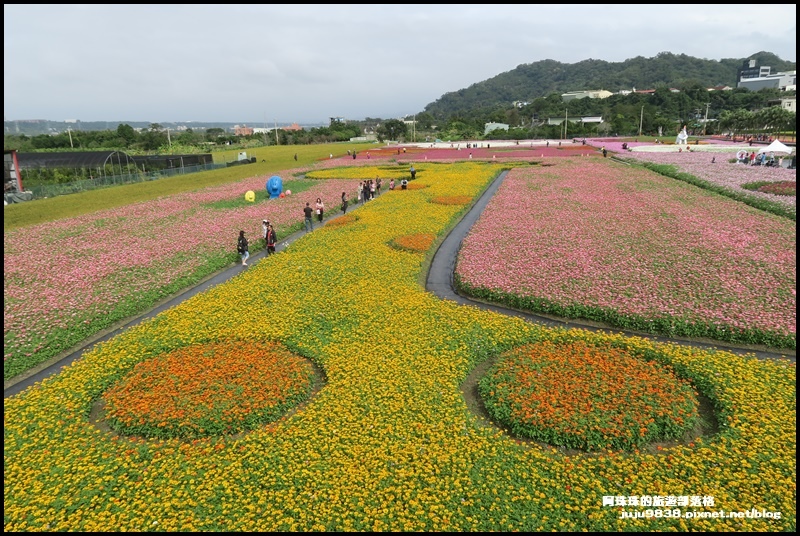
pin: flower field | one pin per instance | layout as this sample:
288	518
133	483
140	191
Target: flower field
389	442
716	170
69	279
624	246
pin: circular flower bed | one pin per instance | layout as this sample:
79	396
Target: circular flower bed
209	389
415	242
592	398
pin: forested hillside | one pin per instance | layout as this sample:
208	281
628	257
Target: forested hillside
539	79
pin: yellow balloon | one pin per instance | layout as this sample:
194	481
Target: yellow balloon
250	196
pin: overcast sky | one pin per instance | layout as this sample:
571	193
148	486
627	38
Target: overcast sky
259	64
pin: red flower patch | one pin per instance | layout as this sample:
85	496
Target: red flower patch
209	389
788	188
582	396
415	242
342	220
452	200
416	186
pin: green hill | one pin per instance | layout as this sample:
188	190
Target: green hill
539	79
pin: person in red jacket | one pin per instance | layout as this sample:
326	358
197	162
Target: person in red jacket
272	239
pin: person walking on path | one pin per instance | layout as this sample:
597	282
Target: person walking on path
271	239
307	211
605	152
344	202
320	207
264	229
391	184
413	172
241	247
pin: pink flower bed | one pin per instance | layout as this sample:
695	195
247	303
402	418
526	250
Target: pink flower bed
525	150
65	280
724	173
720	172
611	242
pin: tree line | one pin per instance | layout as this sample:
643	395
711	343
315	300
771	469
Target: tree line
663	112
157	139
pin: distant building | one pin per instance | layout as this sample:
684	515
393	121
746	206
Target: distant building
751	69
593	94
267	130
488	127
644	91
789	104
753	76
777	81
242	131
587	119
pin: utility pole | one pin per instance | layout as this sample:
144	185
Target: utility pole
641	120
705	121
566	120
277	141
70	138
169	141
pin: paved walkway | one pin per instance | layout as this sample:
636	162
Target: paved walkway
439	282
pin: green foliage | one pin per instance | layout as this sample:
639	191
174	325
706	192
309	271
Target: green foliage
275	159
392	129
126	133
262	196
545	78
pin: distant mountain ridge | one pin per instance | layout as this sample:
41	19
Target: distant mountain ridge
539	79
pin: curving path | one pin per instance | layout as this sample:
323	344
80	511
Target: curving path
439	281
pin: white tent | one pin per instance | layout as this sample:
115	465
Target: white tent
776	147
